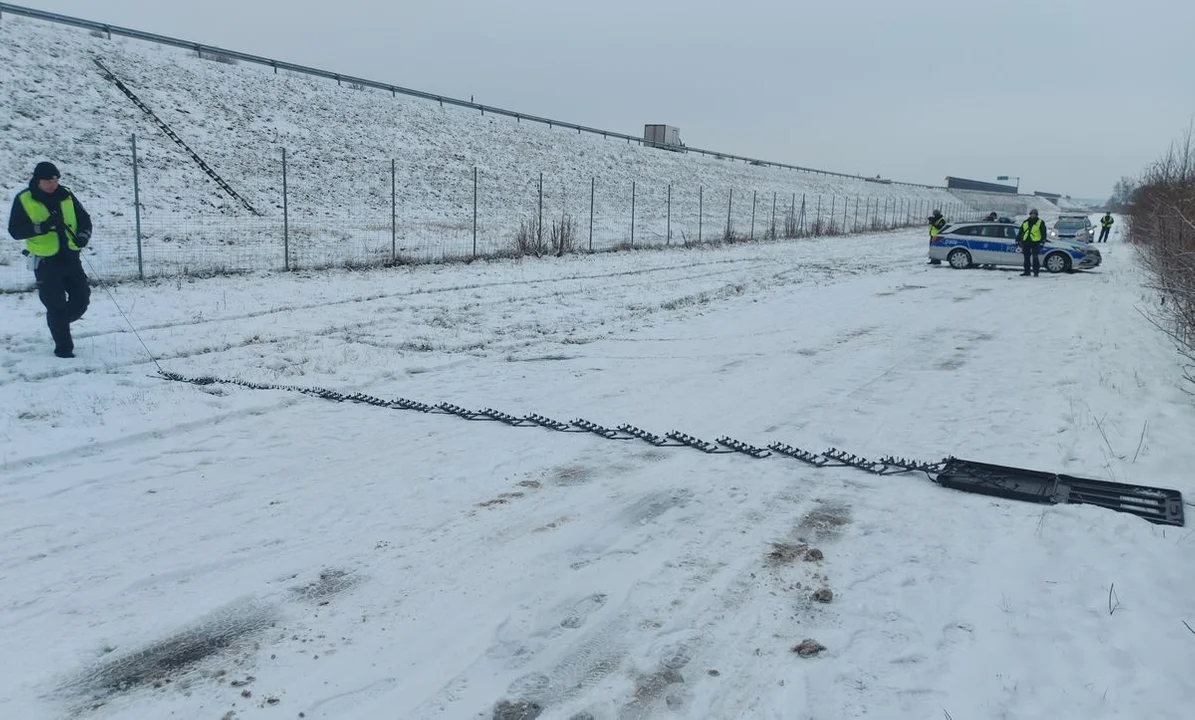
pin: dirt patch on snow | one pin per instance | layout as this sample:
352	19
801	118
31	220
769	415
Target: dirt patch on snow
173	659
824	522
330	582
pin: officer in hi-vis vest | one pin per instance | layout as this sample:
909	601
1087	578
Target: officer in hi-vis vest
937	223
1105	226
55	227
1031	238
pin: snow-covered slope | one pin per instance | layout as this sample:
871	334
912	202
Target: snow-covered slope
340	143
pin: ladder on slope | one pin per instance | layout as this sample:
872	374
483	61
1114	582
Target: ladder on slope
111	77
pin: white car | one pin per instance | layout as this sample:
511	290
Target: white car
982	243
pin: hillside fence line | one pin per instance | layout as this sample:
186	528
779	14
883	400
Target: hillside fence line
479	216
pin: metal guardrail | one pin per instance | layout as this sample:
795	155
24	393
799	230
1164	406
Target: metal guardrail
277	65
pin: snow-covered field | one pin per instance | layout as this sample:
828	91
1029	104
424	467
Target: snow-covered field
340	144
178	551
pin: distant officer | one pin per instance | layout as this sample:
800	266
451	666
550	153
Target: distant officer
1105	226
992	217
1031	237
55	227
937	223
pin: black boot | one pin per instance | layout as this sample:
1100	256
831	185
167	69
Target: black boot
64	352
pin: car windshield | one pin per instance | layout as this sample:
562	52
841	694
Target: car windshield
1070	225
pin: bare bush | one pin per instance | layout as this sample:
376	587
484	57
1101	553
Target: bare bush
792	226
1162	222
563	235
529	238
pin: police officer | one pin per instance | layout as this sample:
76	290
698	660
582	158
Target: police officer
1105	226
1031	237
55	227
937	223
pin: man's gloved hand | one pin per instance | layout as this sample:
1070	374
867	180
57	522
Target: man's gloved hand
51	223
83	238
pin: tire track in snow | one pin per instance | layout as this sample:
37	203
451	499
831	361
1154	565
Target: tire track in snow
343	328
465	287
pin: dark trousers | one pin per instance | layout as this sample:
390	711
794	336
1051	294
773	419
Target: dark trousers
62	288
1032	250
1104	234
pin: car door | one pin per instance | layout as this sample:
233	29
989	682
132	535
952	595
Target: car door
1007	252
989	245
968	237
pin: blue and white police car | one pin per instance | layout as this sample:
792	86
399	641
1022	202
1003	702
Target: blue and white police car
985	243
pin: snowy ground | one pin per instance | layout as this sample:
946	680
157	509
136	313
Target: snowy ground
176	551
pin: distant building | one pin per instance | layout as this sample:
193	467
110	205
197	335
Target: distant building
1048	196
662	136
953	183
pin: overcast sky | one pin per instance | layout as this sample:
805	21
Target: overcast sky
1069	95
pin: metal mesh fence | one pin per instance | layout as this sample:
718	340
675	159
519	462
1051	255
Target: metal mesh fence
445	218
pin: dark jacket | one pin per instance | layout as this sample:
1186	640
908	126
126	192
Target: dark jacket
21	227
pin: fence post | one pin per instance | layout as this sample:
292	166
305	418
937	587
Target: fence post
668	234
773	215
754	197
833	214
856	225
700	213
801	225
539	226
818	219
393	213
137	209
592	190
564	221
474	211
632	213
729	205
845	202
285	218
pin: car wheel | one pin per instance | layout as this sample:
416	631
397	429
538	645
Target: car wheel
1057	262
959	259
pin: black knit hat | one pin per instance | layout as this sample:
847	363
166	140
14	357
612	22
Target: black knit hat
45	171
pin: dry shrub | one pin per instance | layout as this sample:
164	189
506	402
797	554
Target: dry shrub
1162	222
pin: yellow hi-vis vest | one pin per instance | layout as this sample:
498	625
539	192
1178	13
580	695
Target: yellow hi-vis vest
937	226
46	244
1106	222
1032	230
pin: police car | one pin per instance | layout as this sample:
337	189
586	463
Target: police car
983	243
1076	227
